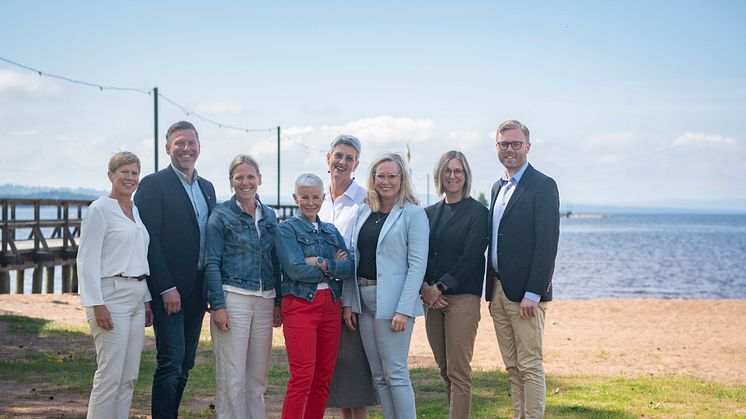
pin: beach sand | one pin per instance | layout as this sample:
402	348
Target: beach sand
606	337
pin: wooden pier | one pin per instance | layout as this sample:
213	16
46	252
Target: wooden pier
42	234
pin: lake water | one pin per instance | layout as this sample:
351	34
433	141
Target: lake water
689	256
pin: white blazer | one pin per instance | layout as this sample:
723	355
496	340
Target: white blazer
401	261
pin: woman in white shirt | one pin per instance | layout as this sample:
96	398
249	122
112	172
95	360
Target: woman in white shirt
352	389
112	265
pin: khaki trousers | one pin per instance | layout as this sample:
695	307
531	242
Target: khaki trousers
520	344
242	355
451	332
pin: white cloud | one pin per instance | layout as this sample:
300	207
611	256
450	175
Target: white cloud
17	82
219	108
698	139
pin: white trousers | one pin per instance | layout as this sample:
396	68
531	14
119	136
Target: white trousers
117	350
242	356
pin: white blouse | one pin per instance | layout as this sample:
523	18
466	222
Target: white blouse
110	244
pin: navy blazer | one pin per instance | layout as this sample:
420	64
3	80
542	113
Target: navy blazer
168	214
528	237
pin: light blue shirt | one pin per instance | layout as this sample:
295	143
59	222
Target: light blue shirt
201	210
507	186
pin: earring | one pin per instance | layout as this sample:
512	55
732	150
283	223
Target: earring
328	171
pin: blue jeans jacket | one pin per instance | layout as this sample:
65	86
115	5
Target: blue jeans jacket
298	239
236	255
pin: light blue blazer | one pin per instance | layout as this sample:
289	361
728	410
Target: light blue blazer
401	261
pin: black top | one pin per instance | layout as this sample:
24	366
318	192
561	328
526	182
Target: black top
367	243
458	238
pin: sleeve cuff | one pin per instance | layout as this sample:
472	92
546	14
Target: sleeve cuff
531	296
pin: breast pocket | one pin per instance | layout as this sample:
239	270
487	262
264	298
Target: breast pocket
306	242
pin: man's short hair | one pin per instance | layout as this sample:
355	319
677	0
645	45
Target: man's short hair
513	124
178	126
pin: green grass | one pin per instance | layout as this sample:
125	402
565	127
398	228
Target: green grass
567	397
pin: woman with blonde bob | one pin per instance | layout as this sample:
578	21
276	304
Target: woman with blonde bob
112	265
390	244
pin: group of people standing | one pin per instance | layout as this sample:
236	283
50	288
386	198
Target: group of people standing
345	278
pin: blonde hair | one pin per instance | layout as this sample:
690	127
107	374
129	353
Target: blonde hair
406	192
121	159
440	170
513	124
242	159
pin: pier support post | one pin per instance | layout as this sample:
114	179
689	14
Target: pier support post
74	282
4	282
36	279
20	273
50	279
67	272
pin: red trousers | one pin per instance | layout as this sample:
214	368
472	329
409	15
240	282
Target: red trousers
311	332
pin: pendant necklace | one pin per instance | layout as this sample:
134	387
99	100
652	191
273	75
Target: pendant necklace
379	218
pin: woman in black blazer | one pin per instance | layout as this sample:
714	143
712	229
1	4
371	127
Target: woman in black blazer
454	278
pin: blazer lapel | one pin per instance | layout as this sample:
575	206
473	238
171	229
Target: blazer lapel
390	220
520	188
178	187
362	216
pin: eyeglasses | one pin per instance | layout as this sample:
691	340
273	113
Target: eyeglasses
515	145
455	172
380	177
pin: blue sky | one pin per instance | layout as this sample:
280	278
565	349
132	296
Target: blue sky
627	101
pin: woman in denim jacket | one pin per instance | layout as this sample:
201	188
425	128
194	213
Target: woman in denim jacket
314	261
242	273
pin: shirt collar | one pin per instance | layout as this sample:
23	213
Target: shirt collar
352	191
516	178
183	175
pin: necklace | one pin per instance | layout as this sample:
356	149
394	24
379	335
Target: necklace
379	218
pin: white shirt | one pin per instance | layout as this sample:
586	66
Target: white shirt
110	244
343	212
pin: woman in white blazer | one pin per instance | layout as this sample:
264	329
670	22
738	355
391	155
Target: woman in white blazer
391	245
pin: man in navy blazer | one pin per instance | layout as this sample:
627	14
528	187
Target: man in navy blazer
524	232
174	205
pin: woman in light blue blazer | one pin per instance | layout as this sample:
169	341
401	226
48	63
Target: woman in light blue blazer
391	245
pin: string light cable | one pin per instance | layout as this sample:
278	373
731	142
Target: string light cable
102	87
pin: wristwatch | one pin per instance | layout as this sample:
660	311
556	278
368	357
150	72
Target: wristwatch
319	261
441	286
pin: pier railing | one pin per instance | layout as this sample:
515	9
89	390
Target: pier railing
41	234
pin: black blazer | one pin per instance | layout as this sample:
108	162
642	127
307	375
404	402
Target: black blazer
456	253
528	237
169	216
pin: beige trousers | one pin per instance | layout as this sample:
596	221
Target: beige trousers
117	350
451	332
520	344
242	355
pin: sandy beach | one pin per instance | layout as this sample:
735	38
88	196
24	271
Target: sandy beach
608	337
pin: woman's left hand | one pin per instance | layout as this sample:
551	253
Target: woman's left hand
340	255
148	314
277	317
399	322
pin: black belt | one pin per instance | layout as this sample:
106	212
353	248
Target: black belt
139	278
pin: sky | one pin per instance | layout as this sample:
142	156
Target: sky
627	102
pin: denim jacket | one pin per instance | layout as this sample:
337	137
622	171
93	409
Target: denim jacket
236	255
296	240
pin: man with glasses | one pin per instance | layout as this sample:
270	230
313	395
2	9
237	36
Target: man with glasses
524	231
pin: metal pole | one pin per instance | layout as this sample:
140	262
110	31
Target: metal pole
428	189
155	125
278	166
